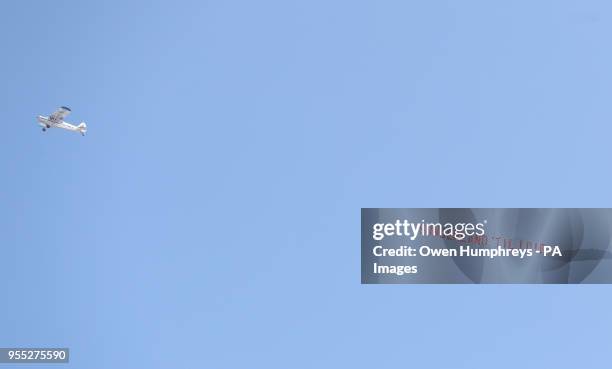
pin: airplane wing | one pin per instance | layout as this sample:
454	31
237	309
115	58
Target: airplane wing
60	114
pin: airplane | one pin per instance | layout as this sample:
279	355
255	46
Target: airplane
56	120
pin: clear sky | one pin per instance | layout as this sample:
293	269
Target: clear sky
211	216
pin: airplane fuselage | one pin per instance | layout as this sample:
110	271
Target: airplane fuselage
47	122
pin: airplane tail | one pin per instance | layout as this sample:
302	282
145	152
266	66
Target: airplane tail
82	128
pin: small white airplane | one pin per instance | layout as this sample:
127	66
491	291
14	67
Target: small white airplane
56	120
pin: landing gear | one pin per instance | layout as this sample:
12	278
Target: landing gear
44	130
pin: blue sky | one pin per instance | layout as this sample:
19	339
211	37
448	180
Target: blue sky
210	218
